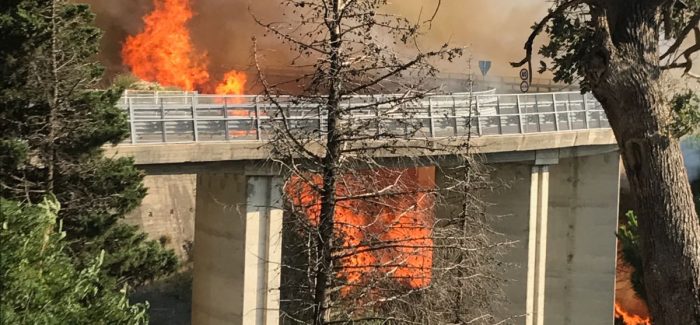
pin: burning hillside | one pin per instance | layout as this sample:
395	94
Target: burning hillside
164	53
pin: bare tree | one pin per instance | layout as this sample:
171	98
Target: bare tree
615	48
370	235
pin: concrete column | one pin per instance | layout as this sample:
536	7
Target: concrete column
581	248
263	251
563	215
537	245
237	249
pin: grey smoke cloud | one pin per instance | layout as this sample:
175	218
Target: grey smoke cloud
691	156
493	29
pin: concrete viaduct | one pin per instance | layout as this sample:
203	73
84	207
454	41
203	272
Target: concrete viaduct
204	163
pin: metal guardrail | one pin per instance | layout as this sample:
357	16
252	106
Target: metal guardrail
167	117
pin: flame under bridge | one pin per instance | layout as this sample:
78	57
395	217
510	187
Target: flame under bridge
207	184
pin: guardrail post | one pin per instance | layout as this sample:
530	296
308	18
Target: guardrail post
498	113
226	135
432	120
556	114
194	120
162	120
132	123
454	115
585	111
257	119
478	116
520	114
568	112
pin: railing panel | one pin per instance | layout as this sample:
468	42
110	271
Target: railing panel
212	130
148	132
185	117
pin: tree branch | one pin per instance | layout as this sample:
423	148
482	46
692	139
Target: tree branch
688	64
538	29
692	24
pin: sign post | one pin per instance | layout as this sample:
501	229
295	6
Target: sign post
525	77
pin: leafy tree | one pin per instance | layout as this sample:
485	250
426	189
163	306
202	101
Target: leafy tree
39	283
614	49
54	122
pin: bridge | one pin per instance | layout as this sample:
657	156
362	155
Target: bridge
167	117
202	155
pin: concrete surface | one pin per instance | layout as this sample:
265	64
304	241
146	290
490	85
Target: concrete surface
217	288
174	153
167	212
238	249
581	250
580	243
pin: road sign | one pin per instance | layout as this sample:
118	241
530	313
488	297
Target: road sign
484	66
524	86
524	74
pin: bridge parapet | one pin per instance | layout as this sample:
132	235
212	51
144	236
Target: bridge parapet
177	117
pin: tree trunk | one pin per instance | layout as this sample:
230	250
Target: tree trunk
668	225
328	195
53	102
624	73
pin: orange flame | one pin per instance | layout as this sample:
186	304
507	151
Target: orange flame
164	52
402	222
233	84
629	307
629	318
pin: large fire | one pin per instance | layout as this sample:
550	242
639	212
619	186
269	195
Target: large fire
402	223
628	306
164	52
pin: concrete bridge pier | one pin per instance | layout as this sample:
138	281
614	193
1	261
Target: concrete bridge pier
238	236
561	205
562	211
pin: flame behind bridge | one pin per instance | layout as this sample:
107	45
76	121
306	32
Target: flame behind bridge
164	53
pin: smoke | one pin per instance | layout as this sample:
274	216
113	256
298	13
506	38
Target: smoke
691	156
493	29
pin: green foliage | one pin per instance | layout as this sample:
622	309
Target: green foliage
568	48
686	110
572	40
38	282
135	259
55	122
15	154
629	238
125	81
